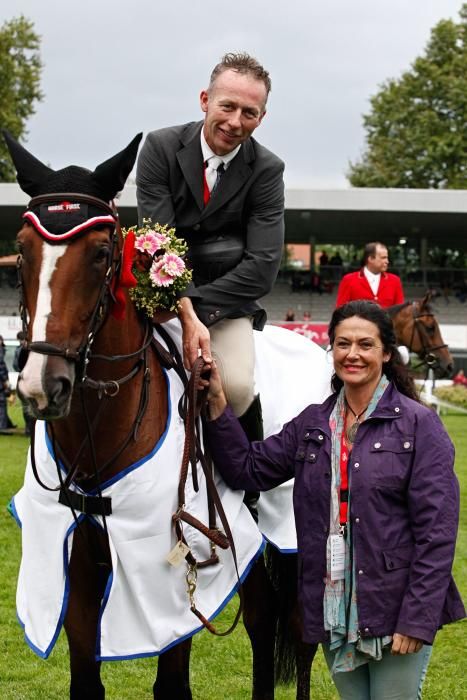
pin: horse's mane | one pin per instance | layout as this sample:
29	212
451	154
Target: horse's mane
394	310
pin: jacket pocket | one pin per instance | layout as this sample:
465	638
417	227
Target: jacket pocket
398	558
396	445
311	442
391	461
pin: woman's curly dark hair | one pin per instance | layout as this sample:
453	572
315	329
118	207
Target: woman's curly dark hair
394	369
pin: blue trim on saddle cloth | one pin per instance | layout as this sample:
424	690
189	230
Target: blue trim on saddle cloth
280	549
135	465
66	594
14	513
149	654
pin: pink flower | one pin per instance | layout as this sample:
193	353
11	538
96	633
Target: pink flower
148	242
174	266
162	239
159	275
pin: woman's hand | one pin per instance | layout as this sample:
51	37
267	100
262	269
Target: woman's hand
216	397
403	644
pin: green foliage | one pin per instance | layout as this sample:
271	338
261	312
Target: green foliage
20	70
416	131
221	668
456	395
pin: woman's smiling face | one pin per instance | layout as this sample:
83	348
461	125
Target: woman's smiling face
358	352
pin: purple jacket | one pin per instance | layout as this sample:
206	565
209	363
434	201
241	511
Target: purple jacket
404	510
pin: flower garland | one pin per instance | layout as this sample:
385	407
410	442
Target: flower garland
157	267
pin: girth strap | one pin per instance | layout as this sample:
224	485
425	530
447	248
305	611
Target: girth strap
90	505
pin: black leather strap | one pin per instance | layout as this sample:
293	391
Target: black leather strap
91	505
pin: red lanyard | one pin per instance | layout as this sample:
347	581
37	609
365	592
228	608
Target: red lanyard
344	487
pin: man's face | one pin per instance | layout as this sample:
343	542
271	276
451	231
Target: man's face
234	106
379	262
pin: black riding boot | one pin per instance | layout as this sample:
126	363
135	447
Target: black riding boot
252	424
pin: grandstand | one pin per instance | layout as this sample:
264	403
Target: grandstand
449	310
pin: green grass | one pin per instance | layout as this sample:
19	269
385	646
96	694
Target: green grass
221	668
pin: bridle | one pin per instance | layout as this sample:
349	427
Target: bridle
427	355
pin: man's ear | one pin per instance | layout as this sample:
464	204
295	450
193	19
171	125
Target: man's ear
262	117
203	100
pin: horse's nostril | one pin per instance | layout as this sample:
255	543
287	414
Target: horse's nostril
59	390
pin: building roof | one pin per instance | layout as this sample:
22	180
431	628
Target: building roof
355	215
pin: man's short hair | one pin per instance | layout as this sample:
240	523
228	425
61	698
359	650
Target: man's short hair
370	250
242	63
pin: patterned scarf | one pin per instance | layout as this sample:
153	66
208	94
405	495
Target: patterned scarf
340	602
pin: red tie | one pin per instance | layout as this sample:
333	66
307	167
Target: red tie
206	191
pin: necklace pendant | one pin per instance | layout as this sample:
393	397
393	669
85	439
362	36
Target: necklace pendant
351	432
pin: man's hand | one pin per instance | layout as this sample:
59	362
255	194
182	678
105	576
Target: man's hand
195	335
402	644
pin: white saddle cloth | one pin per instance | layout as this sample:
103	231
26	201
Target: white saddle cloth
145	609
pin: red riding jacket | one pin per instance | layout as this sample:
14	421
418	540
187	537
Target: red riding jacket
355	286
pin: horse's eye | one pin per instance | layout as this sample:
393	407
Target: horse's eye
102	254
430	330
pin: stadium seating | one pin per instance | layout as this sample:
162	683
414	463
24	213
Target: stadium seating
448	310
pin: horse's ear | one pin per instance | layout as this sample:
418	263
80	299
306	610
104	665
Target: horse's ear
30	172
112	173
426	299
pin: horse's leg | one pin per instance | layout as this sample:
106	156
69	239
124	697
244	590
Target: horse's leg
260	617
304	653
89	568
173	674
304	656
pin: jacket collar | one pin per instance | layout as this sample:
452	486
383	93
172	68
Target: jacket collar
390	406
190	159
361	275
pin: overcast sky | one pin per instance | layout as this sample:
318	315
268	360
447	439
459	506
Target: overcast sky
114	68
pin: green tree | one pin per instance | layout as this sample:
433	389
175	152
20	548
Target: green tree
416	132
20	71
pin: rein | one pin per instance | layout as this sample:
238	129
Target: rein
192	453
191	409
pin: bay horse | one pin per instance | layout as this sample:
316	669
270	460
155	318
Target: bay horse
417	328
98	385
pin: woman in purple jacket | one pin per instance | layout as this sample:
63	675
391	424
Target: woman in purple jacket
376	507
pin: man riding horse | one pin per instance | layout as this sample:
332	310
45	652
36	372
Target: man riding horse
224	193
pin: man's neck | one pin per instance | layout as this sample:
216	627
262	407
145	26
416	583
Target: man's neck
208	152
371	271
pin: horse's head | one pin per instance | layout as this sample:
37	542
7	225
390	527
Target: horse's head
416	327
68	255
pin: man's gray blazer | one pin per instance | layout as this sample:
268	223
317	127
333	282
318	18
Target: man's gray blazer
245	211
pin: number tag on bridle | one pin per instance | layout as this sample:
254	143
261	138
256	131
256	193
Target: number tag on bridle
178	554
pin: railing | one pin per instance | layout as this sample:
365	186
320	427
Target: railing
446	279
